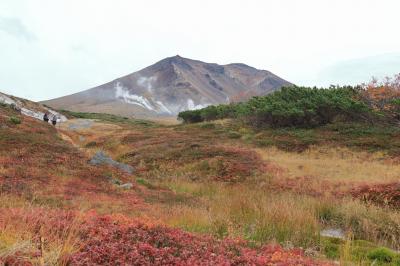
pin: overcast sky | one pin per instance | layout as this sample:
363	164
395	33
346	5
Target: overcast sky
50	48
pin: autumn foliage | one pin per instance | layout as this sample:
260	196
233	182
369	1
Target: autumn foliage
383	95
387	195
117	240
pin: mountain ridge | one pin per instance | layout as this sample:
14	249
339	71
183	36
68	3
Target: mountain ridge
171	85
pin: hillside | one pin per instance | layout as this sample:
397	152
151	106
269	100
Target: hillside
102	188
172	85
29	108
59	208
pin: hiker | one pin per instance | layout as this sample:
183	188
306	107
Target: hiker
46	118
54	120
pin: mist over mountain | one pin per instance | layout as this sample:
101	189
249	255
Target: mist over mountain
170	86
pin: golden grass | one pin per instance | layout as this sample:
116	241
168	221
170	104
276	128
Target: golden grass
334	164
21	235
250	210
261	216
242	211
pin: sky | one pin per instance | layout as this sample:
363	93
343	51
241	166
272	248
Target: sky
51	48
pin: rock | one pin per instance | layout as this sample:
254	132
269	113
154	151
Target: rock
311	252
20	106
126	186
333	232
100	158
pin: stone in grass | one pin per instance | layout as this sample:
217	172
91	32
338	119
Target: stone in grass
100	158
126	186
334	233
117	182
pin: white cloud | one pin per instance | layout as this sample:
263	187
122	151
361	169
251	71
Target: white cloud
81	44
16	28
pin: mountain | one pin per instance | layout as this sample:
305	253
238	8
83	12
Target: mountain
172	85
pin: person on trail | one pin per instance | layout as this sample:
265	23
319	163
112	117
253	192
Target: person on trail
54	120
46	118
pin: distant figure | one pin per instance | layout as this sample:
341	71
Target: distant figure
46	118
54	120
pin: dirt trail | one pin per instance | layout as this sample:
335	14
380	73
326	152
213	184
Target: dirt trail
74	125
80	132
68	139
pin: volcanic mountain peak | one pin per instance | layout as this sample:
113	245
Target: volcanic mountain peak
172	85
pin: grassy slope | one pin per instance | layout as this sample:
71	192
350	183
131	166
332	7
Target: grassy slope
215	178
277	185
57	209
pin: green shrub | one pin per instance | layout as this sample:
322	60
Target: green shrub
191	116
108	118
263	142
234	135
331	247
291	106
208	126
15	120
145	183
382	254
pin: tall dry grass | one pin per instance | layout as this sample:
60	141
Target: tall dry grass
263	216
335	164
37	233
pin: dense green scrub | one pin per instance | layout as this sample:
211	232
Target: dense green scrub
294	106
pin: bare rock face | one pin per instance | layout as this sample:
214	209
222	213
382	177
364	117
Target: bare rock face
30	108
170	86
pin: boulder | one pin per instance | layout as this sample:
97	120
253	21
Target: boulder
101	158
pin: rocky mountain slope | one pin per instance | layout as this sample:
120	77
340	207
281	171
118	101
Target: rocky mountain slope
29	108
172	85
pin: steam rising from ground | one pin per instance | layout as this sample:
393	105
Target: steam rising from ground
146	83
123	94
192	106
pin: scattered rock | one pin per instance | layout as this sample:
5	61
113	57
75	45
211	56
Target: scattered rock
100	158
311	252
117	182
333	232
126	186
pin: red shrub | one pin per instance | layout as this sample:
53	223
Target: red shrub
118	240
108	242
380	194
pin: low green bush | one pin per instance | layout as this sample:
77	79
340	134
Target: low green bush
15	120
383	255
145	183
234	135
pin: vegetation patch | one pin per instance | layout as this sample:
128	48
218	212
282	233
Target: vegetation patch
385	195
15	120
